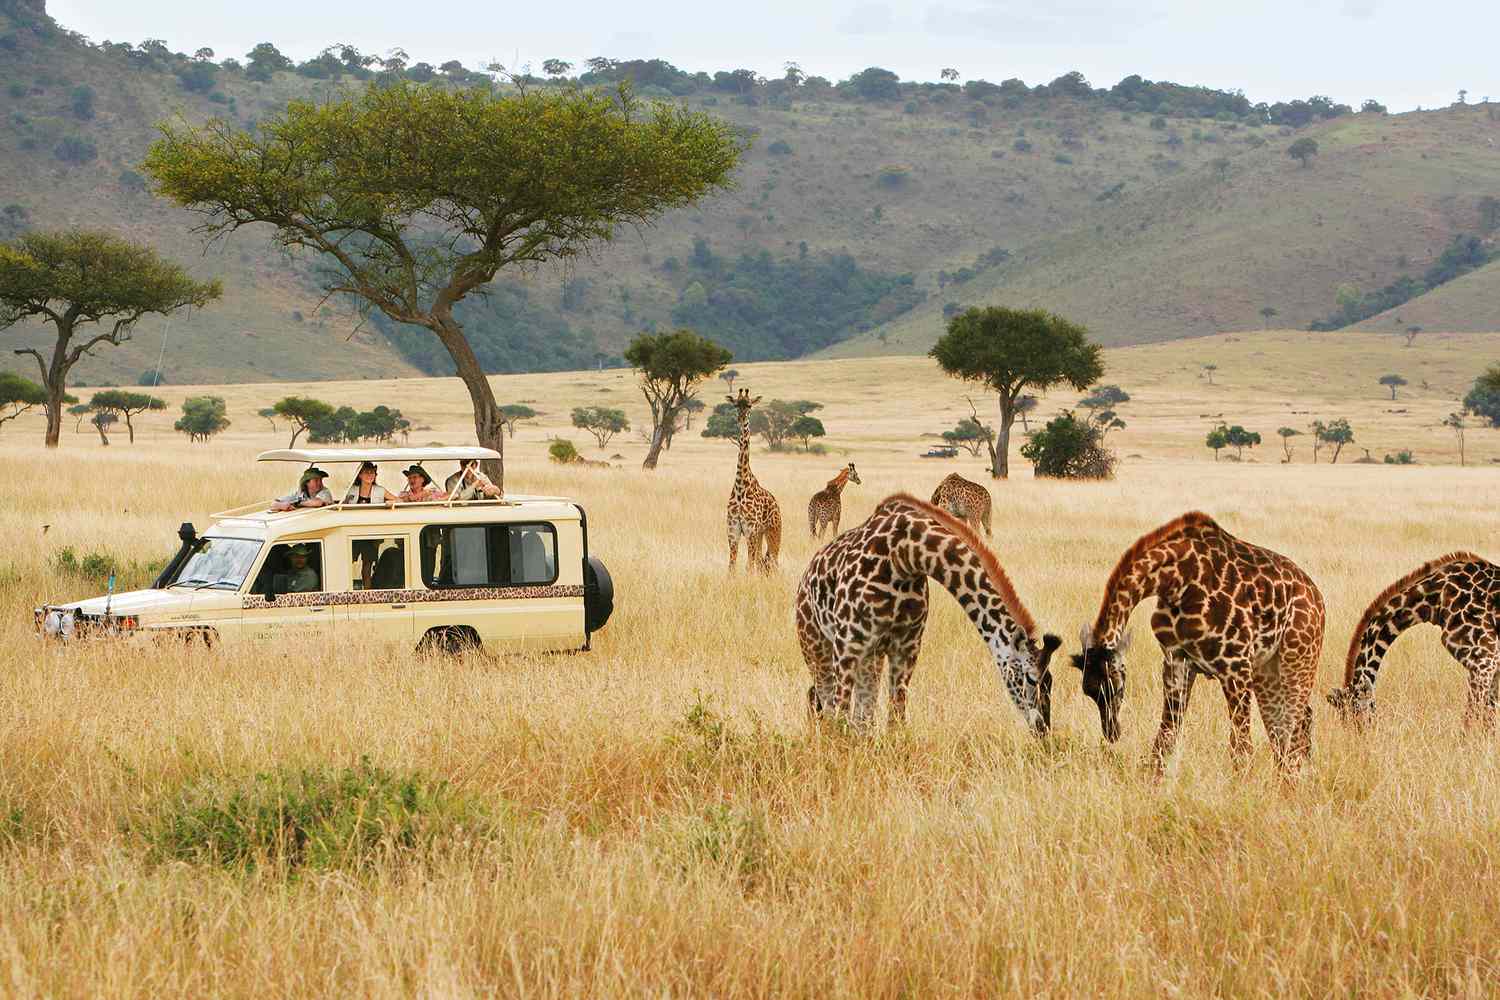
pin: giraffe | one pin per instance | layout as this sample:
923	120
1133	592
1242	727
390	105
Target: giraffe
863	599
753	513
1459	593
969	502
825	506
1244	615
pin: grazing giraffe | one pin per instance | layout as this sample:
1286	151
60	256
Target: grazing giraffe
1460	594
826	505
969	502
1244	615
863	599
753	513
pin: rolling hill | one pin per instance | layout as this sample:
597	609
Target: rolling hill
859	216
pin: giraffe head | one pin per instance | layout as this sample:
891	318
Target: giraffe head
742	401
1103	669
1026	672
853	476
1351	708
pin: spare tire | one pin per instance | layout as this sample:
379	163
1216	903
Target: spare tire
598	594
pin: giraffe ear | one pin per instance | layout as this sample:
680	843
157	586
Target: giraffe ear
1085	636
1124	643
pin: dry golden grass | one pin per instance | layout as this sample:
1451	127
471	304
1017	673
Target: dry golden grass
668	825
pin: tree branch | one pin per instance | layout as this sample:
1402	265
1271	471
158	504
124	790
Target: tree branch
39	362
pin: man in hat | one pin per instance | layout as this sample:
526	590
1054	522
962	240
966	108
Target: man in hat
419	486
310	491
300	578
468	483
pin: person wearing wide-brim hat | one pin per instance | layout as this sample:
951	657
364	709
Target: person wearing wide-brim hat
301	577
419	486
311	491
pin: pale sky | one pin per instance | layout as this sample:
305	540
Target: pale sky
1401	53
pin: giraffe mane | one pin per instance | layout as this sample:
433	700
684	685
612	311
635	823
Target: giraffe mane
987	558
1192	519
1400	586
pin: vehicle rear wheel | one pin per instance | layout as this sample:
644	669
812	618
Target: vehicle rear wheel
449	640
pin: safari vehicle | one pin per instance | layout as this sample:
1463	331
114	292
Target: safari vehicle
940	451
505	574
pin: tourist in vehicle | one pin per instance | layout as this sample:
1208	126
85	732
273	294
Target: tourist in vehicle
300	578
310	492
365	489
419	486
468	483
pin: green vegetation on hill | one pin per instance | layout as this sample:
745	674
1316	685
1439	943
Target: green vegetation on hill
1148	210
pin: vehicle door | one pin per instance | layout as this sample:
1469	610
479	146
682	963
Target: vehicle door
499	579
378	603
289	598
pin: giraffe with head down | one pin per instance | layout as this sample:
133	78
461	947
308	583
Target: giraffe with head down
863	602
1460	594
1246	616
826	505
965	500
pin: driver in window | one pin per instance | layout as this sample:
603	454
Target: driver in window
301	578
310	492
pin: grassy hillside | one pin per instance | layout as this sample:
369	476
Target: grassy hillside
1145	228
1468	303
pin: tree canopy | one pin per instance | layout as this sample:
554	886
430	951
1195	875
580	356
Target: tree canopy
78	277
670	367
1483	399
603	422
17	395
416	196
202	417
1303	150
302	412
126	404
1011	350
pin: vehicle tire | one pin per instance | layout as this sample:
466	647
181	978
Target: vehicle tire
598	594
449	640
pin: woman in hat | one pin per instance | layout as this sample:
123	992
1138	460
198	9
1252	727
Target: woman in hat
365	489
419	486
310	491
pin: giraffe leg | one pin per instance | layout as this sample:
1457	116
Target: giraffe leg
822	696
986	520
899	667
1484	687
734	545
1177	676
773	545
1238	699
859	681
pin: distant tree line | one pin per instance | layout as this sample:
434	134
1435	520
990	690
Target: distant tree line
1463	254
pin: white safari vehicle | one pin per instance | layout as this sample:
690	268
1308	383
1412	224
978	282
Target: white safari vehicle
506	574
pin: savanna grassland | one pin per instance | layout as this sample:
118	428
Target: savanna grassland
655	818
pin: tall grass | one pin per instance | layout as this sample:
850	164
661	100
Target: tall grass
655	818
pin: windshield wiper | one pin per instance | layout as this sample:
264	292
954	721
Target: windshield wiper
216	583
184	583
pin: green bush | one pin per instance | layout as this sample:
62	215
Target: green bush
1068	448
312	817
562	451
1402	457
75	149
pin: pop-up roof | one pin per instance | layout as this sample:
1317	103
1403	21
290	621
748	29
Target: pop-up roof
316	456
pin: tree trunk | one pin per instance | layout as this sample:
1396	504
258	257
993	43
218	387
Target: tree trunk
103	438
129	427
658	437
489	426
1000	468
55	393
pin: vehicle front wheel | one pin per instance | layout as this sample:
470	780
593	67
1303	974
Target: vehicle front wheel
449	640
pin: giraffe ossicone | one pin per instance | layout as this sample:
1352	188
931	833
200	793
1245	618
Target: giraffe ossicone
862	603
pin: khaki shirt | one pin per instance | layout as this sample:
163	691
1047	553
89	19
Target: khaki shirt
302	581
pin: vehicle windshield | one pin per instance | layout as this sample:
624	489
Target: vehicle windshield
217	564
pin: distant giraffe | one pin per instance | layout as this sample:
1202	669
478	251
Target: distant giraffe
1460	594
1244	615
967	501
824	508
863	599
753	513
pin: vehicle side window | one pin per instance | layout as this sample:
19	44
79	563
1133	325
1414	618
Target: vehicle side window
291	568
378	563
489	555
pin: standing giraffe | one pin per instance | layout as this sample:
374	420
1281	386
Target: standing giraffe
1460	594
753	513
826	505
863	599
1244	615
969	502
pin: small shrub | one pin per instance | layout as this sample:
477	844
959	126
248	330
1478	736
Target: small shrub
562	451
780	148
312	817
1021	145
1063	158
75	149
1068	448
1402	457
893	176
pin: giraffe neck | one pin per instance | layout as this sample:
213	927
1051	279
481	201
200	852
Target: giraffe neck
837	483
1152	572
743	477
1417	604
959	569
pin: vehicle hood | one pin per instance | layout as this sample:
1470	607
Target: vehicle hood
136	602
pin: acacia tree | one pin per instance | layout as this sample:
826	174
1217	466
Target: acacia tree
416	196
302	412
74	278
1456	423
125	404
603	422
1287	433
671	365
78	412
1011	350
1337	433
202	417
103	420
1392	382
1303	150
17	395
512	414
1266	313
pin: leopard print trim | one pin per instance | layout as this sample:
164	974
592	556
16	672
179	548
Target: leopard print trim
255	602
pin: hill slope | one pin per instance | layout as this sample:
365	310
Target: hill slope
878	211
1468	304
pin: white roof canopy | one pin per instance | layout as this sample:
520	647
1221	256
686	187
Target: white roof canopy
314	456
